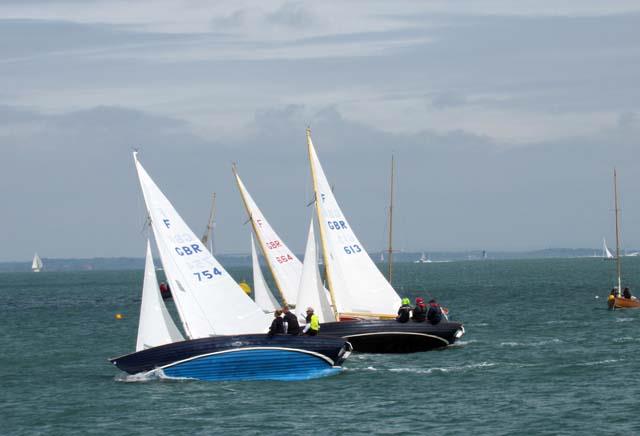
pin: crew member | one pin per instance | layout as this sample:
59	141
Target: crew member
626	293
277	326
420	311
293	328
434	315
404	313
313	323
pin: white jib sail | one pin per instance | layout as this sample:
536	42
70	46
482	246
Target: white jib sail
261	292
208	300
155	326
605	250
357	284
36	265
285	267
311	293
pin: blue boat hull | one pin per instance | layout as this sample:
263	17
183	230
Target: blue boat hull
242	357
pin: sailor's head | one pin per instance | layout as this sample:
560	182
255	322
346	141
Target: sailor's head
285	308
309	309
419	300
406	301
277	313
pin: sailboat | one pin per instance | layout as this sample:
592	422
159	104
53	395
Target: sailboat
364	302
617	299
207	239
606	254
423	259
36	265
224	328
261	292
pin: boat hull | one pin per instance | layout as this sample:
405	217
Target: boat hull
390	336
241	357
623	303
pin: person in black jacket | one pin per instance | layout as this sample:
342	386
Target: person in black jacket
293	328
434	315
626	293
404	313
277	326
420	311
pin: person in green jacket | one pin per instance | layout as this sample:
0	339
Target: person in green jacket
313	323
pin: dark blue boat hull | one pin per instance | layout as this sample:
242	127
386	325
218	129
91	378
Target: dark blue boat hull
390	336
242	357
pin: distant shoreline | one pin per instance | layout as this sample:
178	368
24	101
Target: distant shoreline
242	259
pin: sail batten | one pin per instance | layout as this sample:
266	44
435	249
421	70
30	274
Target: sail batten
156	327
356	284
208	300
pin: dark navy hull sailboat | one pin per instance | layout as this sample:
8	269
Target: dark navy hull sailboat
390	336
241	357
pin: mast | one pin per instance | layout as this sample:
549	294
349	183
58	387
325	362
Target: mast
615	196
207	233
325	252
390	248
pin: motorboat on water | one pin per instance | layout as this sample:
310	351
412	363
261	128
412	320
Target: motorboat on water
224	330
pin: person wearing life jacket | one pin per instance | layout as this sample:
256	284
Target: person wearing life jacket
277	326
313	323
434	315
165	290
404	313
291	321
420	311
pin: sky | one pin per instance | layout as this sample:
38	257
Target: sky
506	120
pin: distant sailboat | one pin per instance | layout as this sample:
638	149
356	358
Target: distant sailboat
225	328
207	238
36	265
617	299
606	254
423	259
261	292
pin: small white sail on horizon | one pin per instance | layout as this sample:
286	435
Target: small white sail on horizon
156	327
311	292
356	283
36	265
261	292
606	254
208	299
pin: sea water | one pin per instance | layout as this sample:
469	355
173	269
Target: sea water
542	355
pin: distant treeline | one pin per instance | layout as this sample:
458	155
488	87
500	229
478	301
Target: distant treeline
233	260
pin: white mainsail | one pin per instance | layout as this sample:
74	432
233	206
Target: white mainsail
605	250
261	292
356	284
36	265
155	327
208	300
285	267
311	293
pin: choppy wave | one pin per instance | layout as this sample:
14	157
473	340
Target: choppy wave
463	343
445	369
626	339
530	344
625	319
150	376
599	362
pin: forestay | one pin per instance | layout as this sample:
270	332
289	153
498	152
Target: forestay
284	265
311	293
261	292
357	284
155	326
208	300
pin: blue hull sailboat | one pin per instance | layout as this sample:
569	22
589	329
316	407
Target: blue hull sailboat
225	330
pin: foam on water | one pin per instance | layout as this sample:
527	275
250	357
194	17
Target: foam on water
530	344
